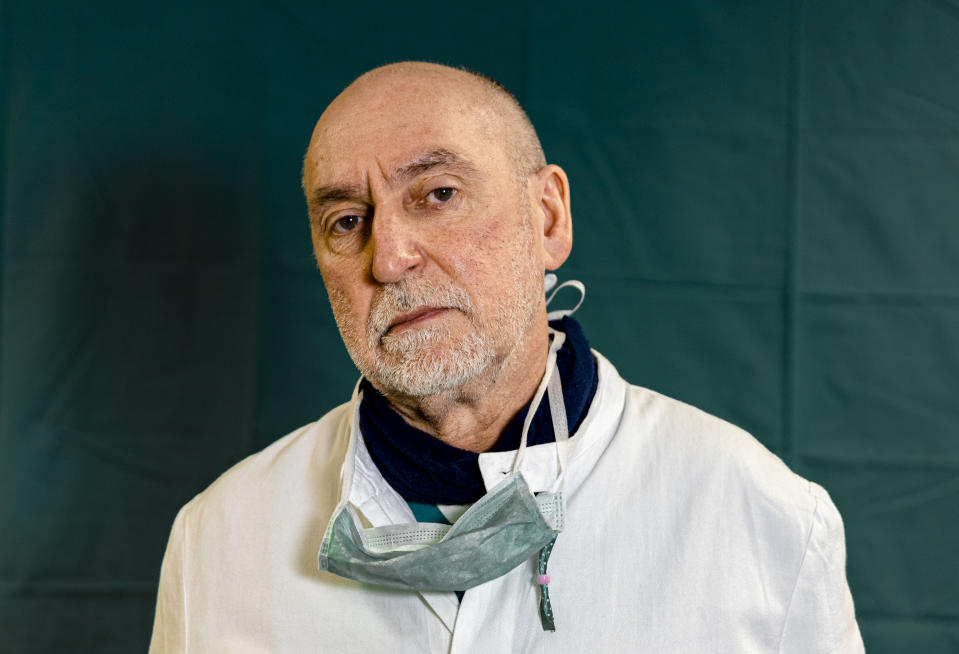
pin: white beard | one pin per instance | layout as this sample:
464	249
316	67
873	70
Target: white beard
424	360
429	360
440	356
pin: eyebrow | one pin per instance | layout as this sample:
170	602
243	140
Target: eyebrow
324	195
437	158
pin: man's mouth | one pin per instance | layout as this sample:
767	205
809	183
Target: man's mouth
411	318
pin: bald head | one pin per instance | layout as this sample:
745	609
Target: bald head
433	216
491	107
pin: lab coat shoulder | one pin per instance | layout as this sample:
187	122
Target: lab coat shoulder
225	533
821	615
761	539
315	448
170	620
712	456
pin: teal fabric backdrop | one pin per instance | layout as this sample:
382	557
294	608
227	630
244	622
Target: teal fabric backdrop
766	205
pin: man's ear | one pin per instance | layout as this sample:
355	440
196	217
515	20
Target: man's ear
552	193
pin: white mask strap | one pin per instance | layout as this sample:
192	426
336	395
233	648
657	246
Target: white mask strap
551	370
550	282
557	410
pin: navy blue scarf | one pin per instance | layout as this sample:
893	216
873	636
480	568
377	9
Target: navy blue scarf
424	469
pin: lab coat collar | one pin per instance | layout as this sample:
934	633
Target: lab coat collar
540	465
365	488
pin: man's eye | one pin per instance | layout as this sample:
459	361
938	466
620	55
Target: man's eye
345	224
443	194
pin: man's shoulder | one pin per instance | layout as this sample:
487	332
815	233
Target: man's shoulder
690	445
312	451
715	476
712	449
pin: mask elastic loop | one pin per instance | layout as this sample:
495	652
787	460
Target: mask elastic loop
558	339
549	281
571	283
557	410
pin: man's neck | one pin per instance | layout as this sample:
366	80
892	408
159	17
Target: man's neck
472	416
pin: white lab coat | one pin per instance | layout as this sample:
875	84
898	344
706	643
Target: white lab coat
683	534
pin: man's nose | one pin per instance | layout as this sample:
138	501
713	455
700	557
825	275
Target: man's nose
395	246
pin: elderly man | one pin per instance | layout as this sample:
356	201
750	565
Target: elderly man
588	515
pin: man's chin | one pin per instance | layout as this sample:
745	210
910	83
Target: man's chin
427	371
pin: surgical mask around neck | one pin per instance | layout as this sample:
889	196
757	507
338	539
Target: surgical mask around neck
504	528
499	532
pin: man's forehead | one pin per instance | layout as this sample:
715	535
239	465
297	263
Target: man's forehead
396	150
391	116
404	100
392	164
